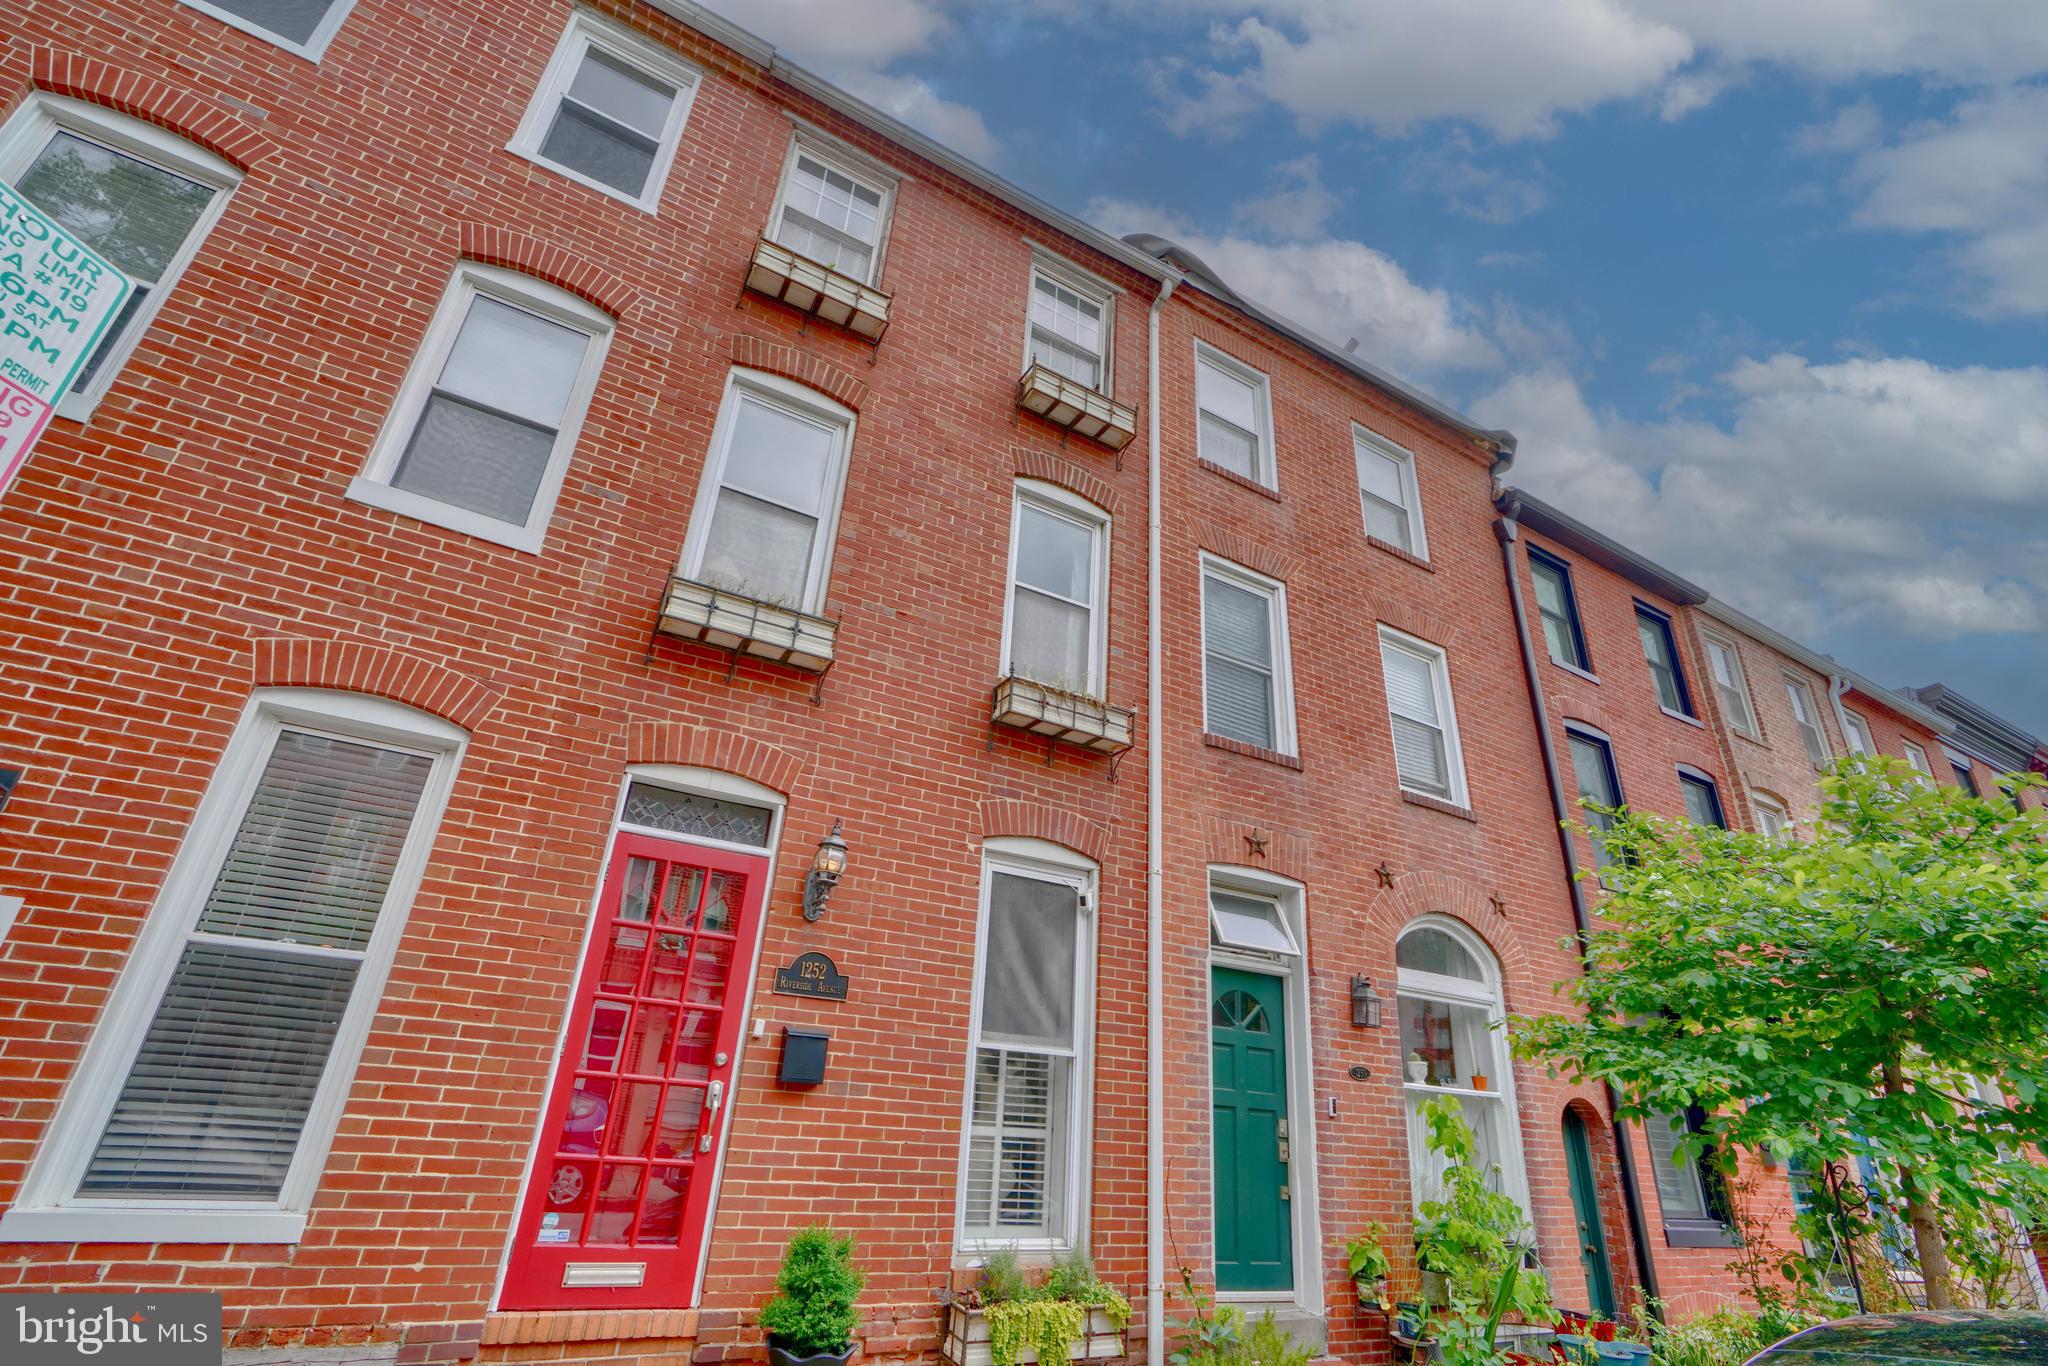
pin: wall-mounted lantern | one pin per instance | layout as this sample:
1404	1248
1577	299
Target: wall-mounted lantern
1365	1003
826	869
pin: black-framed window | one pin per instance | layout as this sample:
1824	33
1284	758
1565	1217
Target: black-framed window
1593	766
1966	780
1702	798
1691	1192
1660	648
1558	606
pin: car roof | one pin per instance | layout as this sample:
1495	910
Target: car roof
1943	1336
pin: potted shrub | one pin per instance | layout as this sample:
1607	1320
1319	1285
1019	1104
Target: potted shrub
1005	1320
811	1320
1369	1266
1418	1068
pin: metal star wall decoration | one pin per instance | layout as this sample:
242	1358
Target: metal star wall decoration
1385	874
1255	845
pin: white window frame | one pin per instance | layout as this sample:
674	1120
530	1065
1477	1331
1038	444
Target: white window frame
1714	640
805	403
854	166
1266	472
1490	996
1856	734
1439	661
1052	499
1275	593
470	281
1365	442
586	31
48	1209
1794	683
1768	806
1047	862
1074	279
1917	757
1303	1167
39	118
314	46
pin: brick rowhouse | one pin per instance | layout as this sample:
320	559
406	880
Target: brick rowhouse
565	874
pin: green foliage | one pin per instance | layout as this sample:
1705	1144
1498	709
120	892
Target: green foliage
1047	1326
1725	1337
1045	1318
813	1310
1832	998
1367	1258
1218	1338
1002	1282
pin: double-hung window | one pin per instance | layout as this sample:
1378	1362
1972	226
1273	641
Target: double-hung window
1966	778
1059	561
1069	329
1387	488
1807	719
1856	731
1024	1170
1690	1189
485	424
1724	663
1234	416
1702	798
301	26
832	210
765	516
1660	648
609	110
1771	818
1558	606
1427	759
141	197
1599	784
204	1106
1917	757
1246	691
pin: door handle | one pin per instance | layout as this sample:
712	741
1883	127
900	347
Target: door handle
712	1100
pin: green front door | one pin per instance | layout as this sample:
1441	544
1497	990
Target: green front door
1586	1206
1254	1221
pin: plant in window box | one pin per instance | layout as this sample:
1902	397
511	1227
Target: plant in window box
1005	1320
1370	1267
811	1320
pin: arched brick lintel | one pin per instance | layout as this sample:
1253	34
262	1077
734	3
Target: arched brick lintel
223	132
1005	817
1238	548
1247	844
1051	469
801	366
1416	894
676	742
544	260
379	670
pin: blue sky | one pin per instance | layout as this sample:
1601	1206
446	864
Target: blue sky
1762	285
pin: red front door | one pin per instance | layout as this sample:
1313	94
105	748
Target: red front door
619	1200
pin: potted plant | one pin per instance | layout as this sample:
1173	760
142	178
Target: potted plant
1418	1068
1479	1080
811	1320
1369	1266
1005	1320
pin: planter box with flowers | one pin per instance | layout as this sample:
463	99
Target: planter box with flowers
1006	1321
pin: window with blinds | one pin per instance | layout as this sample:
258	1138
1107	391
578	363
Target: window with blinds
214	1103
1027	1053
1242	642
1419	710
1231	416
1688	1188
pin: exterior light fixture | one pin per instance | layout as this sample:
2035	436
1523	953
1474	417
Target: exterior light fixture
1365	1003
826	869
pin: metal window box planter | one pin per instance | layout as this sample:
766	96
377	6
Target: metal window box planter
1064	716
732	621
1079	409
818	290
966	1341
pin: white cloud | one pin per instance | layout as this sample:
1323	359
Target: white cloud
1853	128
834	35
1297	205
917	104
1466	187
1964	41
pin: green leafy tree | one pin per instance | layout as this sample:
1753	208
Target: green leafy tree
1836	997
813	1311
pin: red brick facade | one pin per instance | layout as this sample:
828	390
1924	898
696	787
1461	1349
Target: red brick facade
194	542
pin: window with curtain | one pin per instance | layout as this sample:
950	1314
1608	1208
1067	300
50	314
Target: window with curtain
1243	645
1056	588
1388	490
1702	798
831	213
1426	757
1661	650
1068	331
1807	719
1558	607
1593	769
1029	1053
1724	662
1233	429
609	111
1449	1002
1690	1190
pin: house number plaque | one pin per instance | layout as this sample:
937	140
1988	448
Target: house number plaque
813	975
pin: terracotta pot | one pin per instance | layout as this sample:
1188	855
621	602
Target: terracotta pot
1479	1081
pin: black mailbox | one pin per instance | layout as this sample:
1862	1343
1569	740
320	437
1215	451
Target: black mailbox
803	1056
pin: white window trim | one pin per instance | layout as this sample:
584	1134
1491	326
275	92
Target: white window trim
1088	287
1303	1168
586	31
42	116
1269	476
1275	592
1764	801
471	280
852	165
808	403
1053	499
1490	995
1827	750
1044	860
314	46
1712	640
1364	440
48	1208
1917	757
1440	677
1855	724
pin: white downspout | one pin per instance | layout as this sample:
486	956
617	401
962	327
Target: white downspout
1155	874
1838	688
